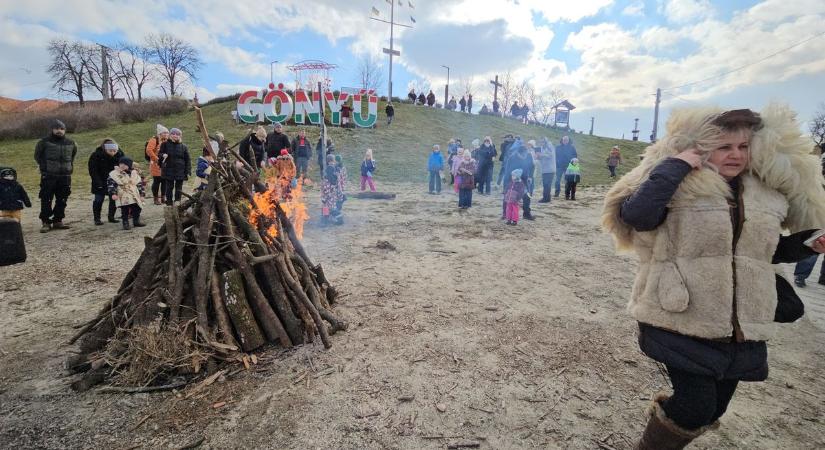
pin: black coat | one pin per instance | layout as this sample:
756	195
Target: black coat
100	165
252	150
301	151
431	99
177	165
505	149
486	154
55	156
645	210
275	142
13	196
389	110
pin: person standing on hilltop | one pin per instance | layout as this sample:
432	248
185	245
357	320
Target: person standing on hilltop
496	107
102	161
705	212
431	99
55	155
422	100
277	141
411	96
390	111
564	153
470	103
151	154
463	104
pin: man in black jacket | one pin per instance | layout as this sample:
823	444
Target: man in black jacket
55	157
486	153
277	141
390	110
302	151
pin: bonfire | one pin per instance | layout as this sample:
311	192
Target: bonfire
224	275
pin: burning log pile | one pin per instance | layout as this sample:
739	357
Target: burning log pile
225	274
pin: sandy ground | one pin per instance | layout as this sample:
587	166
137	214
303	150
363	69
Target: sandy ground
517	333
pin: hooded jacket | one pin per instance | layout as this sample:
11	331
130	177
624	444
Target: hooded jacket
519	158
564	153
55	156
100	164
699	275
252	150
435	162
128	186
177	165
12	194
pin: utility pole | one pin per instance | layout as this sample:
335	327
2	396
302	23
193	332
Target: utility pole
447	88
323	150
104	68
271	76
592	120
653	134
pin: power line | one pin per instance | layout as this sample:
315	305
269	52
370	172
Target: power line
746	65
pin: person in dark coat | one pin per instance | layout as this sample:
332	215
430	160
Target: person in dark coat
253	148
519	158
390	111
496	107
431	99
277	141
486	154
55	157
470	103
463	104
411	96
176	165
423	100
515	110
505	149
13	197
302	151
707	222
102	161
565	152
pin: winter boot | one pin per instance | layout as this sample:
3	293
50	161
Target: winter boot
111	217
59	225
157	201
96	210
45	228
136	220
662	433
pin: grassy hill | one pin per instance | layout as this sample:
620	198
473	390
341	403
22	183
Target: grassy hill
401	150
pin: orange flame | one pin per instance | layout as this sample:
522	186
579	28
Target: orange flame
278	192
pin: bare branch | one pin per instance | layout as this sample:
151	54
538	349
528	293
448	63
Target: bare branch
370	75
817	126
67	68
176	60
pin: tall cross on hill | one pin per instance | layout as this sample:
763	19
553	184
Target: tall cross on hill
495	89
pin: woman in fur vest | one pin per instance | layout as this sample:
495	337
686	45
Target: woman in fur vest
704	211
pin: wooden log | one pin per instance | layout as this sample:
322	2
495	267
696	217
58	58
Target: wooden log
173	234
296	288
277	294
270	322
374	195
331	292
248	333
204	251
290	232
146	312
314	296
221	316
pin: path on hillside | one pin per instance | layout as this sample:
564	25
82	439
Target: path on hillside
517	333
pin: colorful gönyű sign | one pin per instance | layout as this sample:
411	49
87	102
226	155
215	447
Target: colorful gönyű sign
277	106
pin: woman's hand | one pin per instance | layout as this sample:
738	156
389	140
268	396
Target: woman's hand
819	245
692	157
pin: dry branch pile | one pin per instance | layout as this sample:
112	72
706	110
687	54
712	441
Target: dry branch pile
210	285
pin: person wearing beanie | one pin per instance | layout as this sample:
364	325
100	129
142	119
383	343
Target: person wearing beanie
176	166
126	187
151	150
102	161
512	197
55	155
253	148
13	197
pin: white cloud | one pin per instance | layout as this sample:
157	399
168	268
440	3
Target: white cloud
681	11
635	9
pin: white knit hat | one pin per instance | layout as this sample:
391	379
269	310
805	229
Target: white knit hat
162	129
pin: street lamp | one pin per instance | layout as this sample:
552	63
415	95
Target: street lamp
447	88
271	78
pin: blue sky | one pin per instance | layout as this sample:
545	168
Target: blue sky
608	57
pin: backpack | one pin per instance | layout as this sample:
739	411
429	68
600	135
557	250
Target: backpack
146	147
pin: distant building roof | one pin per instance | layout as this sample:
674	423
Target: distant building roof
9	105
564	104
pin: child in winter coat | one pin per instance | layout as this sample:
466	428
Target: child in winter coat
572	177
457	160
204	168
513	196
126	187
435	164
13	196
367	170
613	160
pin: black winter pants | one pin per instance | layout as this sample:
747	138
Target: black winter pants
170	186
547	186
570	190
157	187
465	198
97	206
54	189
130	212
698	400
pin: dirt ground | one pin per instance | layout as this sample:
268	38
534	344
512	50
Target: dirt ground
518	334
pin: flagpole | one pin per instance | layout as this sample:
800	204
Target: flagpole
392	23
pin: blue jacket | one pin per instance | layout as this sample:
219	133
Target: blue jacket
519	158
367	167
436	161
564	153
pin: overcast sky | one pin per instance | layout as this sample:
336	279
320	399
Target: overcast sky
607	56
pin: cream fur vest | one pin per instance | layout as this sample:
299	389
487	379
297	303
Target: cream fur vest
689	275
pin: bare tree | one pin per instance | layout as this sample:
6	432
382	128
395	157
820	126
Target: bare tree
132	69
817	126
467	85
94	56
67	68
176	61
370	75
540	110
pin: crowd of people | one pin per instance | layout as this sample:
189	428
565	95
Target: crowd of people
471	169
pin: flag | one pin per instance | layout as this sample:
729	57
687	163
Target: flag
375	11
411	5
412	19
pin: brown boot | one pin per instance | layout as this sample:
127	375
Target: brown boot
662	433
